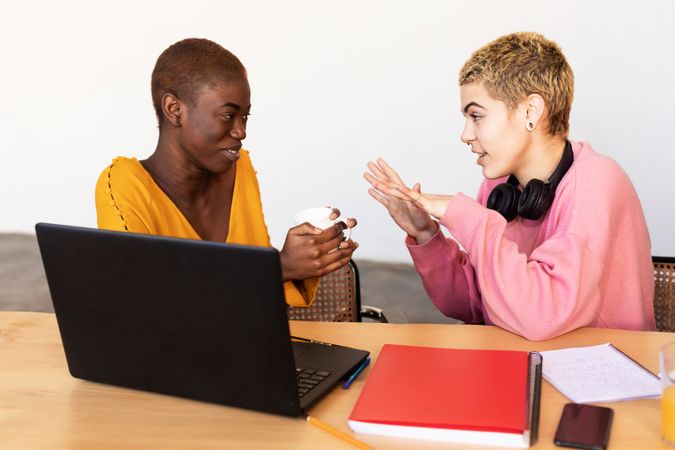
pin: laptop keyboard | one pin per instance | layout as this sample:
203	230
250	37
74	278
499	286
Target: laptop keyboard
308	379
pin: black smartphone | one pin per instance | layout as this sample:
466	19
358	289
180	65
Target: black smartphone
584	426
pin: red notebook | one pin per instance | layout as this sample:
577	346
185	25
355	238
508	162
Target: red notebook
487	397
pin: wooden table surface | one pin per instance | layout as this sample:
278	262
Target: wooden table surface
42	406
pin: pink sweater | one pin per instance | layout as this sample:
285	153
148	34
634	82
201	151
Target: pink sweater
586	263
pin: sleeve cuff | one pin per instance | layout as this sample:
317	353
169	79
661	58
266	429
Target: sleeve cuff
420	253
301	293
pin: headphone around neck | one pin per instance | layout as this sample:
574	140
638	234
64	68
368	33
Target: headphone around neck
537	196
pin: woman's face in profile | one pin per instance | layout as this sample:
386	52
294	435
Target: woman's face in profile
214	127
495	134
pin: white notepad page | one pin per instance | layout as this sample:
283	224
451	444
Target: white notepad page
598	373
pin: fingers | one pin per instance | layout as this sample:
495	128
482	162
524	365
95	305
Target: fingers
348	244
304	228
385	187
379	197
378	179
337	264
400	192
332	254
332	238
384	171
386	180
369	178
410	194
330	245
375	169
389	172
331	232
378	183
338	256
351	222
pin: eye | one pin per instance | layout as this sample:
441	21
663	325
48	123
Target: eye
475	117
227	116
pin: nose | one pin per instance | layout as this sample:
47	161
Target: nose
238	131
468	134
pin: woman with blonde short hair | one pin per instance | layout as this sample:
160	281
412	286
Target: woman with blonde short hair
556	239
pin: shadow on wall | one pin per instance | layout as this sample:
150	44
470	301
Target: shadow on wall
396	288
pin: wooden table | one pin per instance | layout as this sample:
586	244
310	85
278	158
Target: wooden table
42	406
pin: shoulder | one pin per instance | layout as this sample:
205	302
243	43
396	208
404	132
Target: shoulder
122	178
595	172
122	169
596	188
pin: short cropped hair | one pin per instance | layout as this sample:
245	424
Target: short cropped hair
189	66
519	64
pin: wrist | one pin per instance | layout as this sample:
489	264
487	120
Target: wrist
425	235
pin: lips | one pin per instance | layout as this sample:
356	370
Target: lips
231	153
480	155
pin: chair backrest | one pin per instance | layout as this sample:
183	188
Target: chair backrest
337	300
664	292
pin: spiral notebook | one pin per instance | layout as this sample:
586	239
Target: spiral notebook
598	373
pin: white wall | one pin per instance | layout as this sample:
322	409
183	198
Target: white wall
334	84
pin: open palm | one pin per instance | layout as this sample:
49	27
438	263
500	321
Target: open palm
385	184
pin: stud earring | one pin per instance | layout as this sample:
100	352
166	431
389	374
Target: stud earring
529	126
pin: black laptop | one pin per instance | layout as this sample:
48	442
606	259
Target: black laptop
190	318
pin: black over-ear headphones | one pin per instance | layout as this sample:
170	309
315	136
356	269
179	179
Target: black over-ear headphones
537	196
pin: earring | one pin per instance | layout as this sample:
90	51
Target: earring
529	126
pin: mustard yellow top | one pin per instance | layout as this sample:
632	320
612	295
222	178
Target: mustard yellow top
128	199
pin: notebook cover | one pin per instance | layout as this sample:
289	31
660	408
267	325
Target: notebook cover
477	390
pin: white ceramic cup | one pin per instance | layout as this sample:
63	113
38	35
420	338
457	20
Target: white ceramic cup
320	218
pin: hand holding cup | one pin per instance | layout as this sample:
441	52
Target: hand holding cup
319	244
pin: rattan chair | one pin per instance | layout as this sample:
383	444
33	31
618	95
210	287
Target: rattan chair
338	300
664	292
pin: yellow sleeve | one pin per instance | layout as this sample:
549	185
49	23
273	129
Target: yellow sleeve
301	293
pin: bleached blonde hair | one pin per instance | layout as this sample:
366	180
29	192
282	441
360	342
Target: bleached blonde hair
519	64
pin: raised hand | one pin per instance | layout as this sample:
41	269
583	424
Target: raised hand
385	188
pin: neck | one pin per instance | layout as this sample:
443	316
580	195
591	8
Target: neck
541	157
177	173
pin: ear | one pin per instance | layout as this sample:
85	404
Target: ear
535	108
172	108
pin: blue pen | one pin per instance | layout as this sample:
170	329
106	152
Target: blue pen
356	373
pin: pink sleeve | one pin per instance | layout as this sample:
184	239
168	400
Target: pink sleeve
448	277
537	296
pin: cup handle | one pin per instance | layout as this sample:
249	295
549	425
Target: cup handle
348	230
